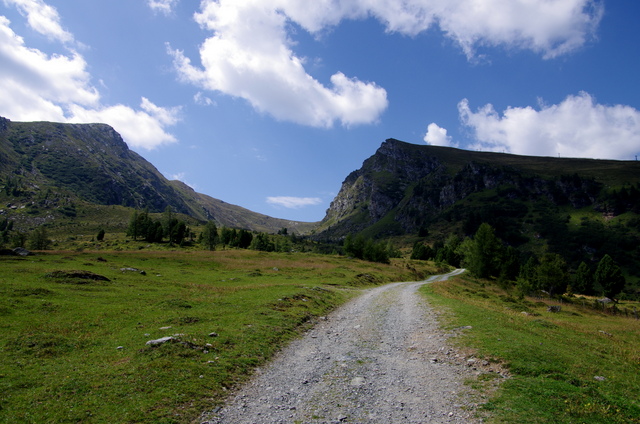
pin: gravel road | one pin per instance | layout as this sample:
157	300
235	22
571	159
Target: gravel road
374	360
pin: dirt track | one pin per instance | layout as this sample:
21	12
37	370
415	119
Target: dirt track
371	361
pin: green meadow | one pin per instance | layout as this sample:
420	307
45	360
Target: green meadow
75	327
579	365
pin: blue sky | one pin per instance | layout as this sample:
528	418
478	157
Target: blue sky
270	104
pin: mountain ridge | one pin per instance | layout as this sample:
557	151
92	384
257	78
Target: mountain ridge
404	191
91	162
390	178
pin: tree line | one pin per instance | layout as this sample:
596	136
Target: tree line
369	250
142	226
169	229
486	256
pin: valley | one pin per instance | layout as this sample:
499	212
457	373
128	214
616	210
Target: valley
227	288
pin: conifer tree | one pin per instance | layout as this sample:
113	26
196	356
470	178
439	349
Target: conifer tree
583	280
210	235
609	276
485	252
552	274
133	230
39	239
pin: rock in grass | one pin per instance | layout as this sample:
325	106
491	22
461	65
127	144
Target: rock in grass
22	251
160	341
141	272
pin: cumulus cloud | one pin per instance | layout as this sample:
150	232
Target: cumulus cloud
437	136
139	128
250	53
249	56
162	6
577	127
42	18
550	28
293	202
35	86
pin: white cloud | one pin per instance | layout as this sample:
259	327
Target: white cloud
200	99
35	86
249	56
577	127
293	202
551	28
437	136
250	53
42	18
162	6
140	129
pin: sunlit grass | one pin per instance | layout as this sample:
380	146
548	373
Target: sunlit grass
575	366
74	349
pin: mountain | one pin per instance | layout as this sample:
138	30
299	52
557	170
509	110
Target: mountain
581	208
576	207
52	165
404	187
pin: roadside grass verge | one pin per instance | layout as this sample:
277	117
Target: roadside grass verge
74	327
574	366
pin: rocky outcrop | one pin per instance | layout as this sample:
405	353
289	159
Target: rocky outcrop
404	187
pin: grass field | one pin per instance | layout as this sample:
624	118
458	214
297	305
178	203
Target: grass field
74	327
575	366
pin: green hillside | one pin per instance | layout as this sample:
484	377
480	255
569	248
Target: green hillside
51	171
581	209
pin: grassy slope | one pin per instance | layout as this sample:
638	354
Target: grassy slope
234	216
58	165
553	357
60	359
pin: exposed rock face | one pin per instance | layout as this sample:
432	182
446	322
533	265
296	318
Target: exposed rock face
381	182
404	187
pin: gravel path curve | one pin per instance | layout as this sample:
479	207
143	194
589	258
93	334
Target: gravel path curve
374	360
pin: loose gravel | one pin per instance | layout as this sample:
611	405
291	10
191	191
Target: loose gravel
378	359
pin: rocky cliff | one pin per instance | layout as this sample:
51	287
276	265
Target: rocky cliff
405	187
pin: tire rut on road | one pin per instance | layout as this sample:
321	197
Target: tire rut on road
370	361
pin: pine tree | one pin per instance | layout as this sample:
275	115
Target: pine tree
133	230
210	235
552	274
39	239
609	276
485	252
583	280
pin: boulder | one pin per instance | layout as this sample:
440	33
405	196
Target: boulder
160	341
22	251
